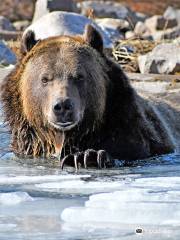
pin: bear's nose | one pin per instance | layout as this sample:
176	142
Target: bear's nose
63	106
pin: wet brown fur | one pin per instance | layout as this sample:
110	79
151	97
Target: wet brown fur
127	127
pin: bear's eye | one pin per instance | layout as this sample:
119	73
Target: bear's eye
44	80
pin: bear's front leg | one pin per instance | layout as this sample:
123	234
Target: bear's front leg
88	158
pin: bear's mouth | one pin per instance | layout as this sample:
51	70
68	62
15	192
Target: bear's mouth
64	125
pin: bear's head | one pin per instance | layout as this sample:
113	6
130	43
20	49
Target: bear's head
62	84
63	80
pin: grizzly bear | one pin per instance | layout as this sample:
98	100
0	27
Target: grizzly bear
66	97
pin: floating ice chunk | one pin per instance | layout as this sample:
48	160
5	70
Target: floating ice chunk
158	182
5	180
81	187
133	195
14	198
128	206
124	213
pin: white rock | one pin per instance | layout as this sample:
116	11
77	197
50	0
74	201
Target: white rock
21	25
141	29
43	7
6	55
172	13
113	27
64	23
130	34
171	33
164	59
160	23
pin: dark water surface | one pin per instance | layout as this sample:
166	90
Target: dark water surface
38	201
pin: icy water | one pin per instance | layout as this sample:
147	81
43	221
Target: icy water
38	201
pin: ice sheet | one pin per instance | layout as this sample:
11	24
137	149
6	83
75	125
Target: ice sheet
149	201
6	180
80	186
13	198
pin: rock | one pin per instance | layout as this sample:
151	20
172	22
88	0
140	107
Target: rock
108	9
171	33
16	10
164	59
141	17
64	23
10	35
6	55
115	28
142	59
5	24
172	13
176	40
160	23
130	34
43	7
141	29
21	25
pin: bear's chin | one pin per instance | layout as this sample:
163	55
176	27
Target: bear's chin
64	126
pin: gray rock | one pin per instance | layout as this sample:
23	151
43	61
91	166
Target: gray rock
172	13
21	25
43	7
171	33
64	23
5	24
6	55
108	9
10	35
164	59
115	28
160	23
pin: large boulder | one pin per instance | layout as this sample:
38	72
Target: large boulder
160	23
6	55
164	59
43	7
5	24
171	33
64	23
108	9
141	29
172	13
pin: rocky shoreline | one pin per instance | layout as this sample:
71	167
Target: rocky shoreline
140	42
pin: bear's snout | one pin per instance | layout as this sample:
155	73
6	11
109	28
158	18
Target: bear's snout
64	112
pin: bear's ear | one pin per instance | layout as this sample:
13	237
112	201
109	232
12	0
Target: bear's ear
28	41
93	38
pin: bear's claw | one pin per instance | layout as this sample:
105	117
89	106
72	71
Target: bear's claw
89	158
